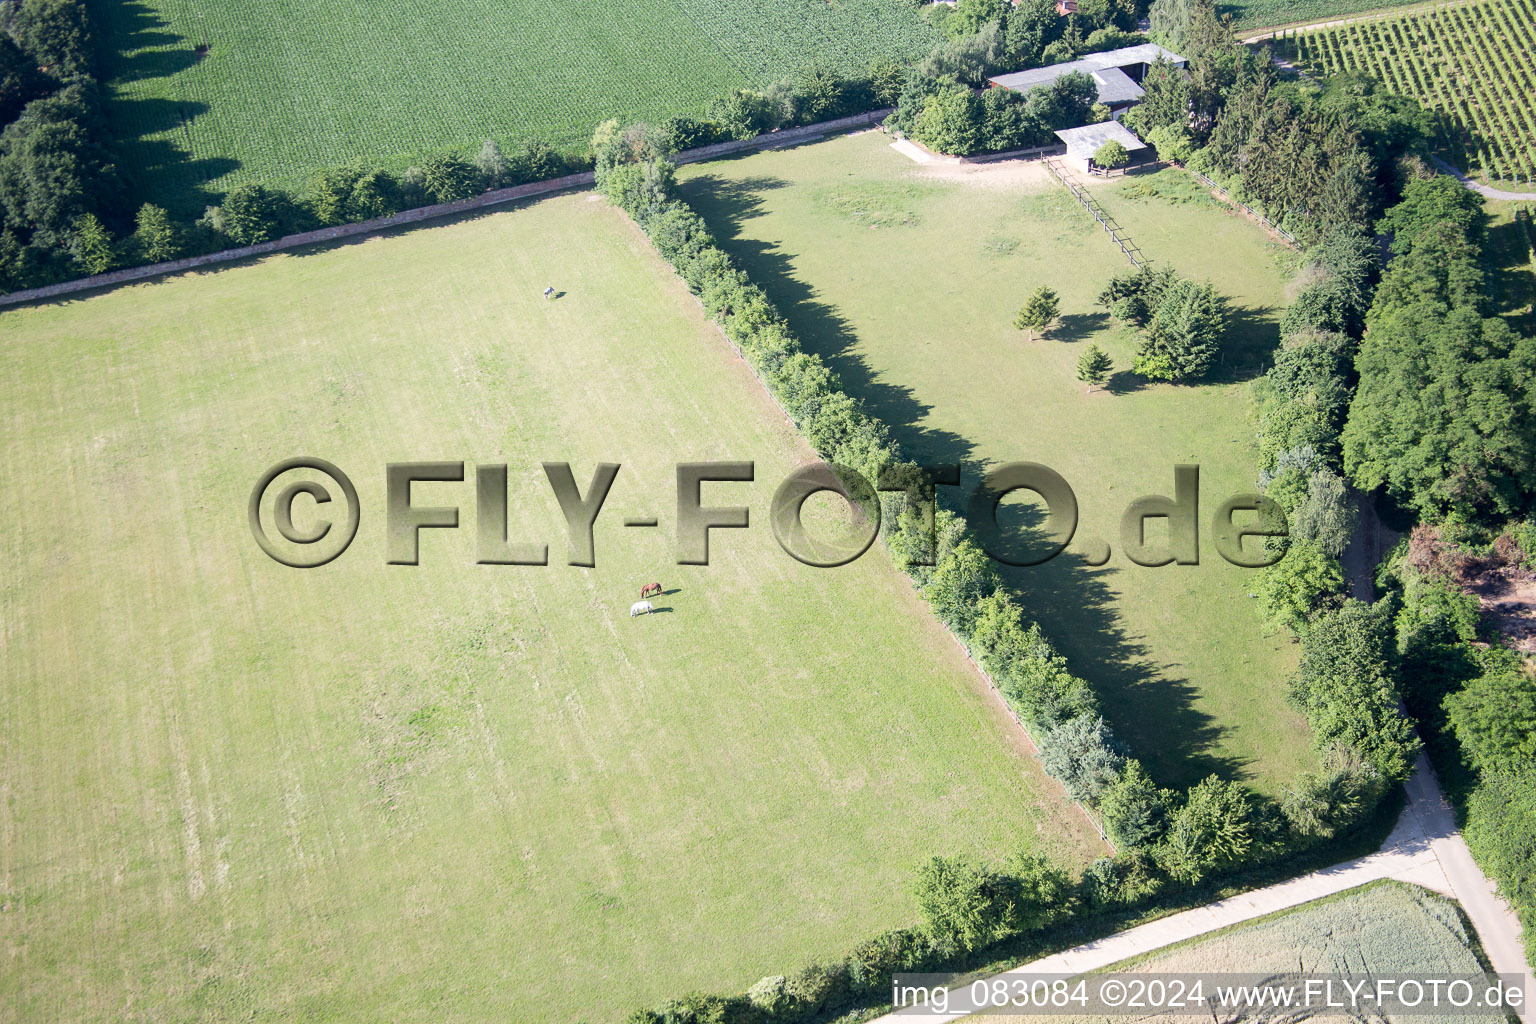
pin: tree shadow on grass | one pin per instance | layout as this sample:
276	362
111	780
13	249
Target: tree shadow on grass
1149	704
725	205
1074	327
1125	382
155	137
1248	347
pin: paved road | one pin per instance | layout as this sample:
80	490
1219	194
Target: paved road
1479	187
1424	849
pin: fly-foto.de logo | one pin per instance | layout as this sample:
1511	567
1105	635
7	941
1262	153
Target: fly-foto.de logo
316	520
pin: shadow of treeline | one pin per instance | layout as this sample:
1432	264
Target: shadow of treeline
1513	283
154	137
1151	707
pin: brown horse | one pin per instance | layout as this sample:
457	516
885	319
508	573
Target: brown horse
649	589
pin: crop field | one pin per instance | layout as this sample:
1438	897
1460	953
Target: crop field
906	279
1377	931
286	88
1473	62
235	790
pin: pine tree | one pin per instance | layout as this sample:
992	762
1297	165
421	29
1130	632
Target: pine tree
156	236
1094	366
91	245
1039	312
1183	338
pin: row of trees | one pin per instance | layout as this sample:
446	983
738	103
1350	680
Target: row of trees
1442	421
253	213
1443	417
58	181
1347	684
59	188
1166	838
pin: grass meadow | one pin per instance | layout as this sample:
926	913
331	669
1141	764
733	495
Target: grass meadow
234	790
906	278
287	88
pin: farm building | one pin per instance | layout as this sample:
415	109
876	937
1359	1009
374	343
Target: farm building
1083	142
1117	73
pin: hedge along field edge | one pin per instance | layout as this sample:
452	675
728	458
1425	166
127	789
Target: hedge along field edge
530	190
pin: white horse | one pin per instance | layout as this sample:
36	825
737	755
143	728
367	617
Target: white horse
640	608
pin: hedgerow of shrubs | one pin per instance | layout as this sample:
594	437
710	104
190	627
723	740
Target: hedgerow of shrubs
60	193
1407	387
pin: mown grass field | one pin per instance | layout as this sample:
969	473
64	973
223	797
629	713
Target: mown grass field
1469	61
1383	930
906	280
233	790
287	88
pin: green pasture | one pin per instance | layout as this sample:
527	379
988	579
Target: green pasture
286	88
905	279
231	790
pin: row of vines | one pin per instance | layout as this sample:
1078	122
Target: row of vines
1473	62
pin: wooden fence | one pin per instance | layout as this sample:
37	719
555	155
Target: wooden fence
1108	223
1250	211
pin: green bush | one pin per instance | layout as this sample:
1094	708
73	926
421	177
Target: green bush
1346	686
1501	832
250	214
1214	829
1494	717
1296	588
1081	754
1135	809
1184	335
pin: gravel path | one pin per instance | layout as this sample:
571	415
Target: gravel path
1479	187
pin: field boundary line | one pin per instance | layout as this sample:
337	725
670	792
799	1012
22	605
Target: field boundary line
361	229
